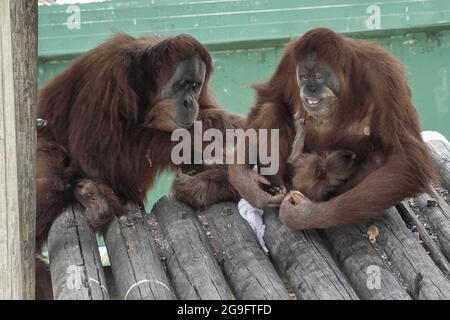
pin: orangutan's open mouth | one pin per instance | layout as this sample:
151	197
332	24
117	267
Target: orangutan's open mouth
312	101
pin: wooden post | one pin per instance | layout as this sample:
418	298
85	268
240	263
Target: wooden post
18	93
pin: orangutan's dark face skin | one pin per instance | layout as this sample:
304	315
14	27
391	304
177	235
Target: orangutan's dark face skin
177	104
318	86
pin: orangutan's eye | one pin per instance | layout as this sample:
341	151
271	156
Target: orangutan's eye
196	85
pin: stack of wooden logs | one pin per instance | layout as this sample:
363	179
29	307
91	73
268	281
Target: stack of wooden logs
214	254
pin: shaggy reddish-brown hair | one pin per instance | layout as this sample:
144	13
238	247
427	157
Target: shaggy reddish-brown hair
373	93
95	110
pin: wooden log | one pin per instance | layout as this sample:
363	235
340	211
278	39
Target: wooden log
440	151
248	269
137	269
436	254
437	212
423	278
366	271
193	270
18	95
75	264
303	257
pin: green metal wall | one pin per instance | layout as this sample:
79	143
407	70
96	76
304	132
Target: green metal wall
246	40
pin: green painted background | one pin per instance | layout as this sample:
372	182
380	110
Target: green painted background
246	40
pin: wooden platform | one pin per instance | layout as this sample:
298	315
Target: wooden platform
214	254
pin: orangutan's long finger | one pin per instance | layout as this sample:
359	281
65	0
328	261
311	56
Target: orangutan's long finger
276	199
263	180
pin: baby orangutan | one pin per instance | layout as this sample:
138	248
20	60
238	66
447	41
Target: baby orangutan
318	177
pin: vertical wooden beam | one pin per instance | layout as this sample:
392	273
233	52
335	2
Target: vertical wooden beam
18	93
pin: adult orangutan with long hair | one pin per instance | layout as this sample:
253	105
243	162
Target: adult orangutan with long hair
355	99
110	116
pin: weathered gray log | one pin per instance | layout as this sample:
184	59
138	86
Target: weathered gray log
438	214
303	257
193	270
18	96
248	269
75	265
422	276
440	151
137	269
367	272
409	215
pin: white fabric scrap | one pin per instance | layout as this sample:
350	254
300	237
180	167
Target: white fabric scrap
254	217
433	135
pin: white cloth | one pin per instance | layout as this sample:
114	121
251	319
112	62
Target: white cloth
254	217
433	135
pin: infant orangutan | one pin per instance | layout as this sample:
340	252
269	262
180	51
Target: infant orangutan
318	176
